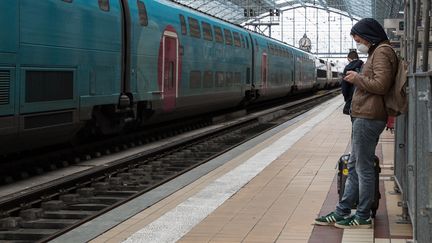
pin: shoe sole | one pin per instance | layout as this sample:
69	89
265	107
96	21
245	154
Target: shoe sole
323	223
364	226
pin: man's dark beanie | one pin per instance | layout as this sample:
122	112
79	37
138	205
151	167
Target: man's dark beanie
370	30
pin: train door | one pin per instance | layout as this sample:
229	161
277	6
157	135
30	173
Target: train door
298	69
264	72
170	67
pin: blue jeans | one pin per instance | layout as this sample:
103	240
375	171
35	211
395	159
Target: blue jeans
361	172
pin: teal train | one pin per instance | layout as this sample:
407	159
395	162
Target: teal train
71	67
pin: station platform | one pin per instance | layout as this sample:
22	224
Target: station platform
271	191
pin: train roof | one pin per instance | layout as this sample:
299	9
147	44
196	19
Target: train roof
196	11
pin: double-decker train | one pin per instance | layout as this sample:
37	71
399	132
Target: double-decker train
74	66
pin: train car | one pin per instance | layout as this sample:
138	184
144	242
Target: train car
280	69
333	75
305	75
273	67
187	62
321	73
71	67
59	60
328	74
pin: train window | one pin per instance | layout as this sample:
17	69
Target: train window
229	79
237	78
104	5
195	80
236	39
208	79
321	73
218	34
194	28
243	41
207	31
68	1
183	25
142	13
170	80
272	51
228	37
220	79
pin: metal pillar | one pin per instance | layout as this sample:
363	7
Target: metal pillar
305	20
415	29
328	19
281	20
352	40
411	33
316	30
340	28
405	40
426	26
294	27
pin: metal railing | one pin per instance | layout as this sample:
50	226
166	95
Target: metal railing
413	138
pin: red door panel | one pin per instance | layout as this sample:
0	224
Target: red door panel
264	73
170	73
169	69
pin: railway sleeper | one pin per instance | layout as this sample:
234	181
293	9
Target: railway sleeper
44	223
68	214
122	194
88	207
143	185
26	234
99	200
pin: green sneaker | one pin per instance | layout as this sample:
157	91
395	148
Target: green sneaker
329	219
354	222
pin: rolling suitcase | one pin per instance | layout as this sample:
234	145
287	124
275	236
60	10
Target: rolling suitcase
343	175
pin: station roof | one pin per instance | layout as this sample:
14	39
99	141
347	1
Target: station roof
238	11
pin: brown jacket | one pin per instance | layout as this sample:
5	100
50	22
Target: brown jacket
373	83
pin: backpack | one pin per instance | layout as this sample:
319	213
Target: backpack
396	100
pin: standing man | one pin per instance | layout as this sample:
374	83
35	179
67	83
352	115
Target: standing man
348	88
369	119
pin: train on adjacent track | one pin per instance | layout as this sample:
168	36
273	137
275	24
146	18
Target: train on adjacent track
97	66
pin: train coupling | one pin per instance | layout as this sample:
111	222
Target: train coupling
124	101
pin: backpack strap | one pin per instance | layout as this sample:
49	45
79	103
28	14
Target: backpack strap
387	45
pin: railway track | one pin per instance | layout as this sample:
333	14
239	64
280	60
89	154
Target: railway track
47	211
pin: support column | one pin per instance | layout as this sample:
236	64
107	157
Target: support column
316	30
426	27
